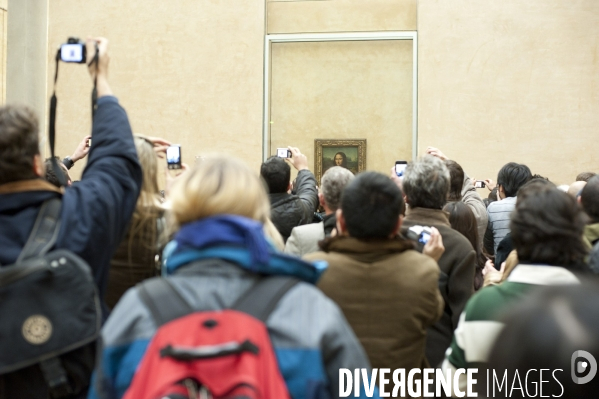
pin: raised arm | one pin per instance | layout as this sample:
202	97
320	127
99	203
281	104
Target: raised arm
97	210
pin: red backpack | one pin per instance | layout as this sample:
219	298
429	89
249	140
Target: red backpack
210	354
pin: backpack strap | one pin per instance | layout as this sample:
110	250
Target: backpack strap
45	230
262	298
164	301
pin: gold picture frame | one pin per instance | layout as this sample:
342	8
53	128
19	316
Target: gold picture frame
350	153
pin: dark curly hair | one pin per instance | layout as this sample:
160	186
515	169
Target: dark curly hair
547	227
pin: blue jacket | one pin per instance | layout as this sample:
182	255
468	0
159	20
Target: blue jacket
96	210
311	337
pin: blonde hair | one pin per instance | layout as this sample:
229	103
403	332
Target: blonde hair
149	197
148	207
218	185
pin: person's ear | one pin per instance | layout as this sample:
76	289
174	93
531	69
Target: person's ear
341	226
397	227
38	166
289	186
321	199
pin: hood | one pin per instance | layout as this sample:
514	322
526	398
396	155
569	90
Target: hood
366	250
239	240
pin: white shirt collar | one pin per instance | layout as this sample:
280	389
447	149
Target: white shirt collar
542	275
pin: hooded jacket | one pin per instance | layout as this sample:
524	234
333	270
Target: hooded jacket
388	292
211	263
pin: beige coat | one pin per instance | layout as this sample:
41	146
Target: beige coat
388	293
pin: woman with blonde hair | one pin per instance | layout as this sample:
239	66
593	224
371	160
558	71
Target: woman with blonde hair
218	254
137	257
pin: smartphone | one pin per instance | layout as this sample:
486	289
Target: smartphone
173	156
479	184
72	52
400	167
283	153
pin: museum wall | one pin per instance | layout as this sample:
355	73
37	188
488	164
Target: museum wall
26	45
510	80
190	71
513	80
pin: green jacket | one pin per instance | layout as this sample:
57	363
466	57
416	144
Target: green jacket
479	324
591	234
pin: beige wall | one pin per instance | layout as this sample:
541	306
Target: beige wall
510	80
190	71
26	62
498	81
340	15
3	49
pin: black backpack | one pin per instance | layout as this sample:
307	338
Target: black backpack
51	317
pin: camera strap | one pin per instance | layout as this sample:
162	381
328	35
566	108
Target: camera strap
52	117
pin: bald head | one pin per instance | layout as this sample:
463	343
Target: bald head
575	188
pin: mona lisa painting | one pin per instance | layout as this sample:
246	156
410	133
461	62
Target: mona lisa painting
350	154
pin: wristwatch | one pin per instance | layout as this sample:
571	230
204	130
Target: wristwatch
68	162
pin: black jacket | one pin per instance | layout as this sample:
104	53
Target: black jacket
291	210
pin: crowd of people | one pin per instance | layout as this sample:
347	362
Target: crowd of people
366	271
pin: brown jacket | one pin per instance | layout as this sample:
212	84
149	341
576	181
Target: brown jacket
388	293
456	280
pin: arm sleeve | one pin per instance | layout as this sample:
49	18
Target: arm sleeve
97	209
488	241
292	244
125	338
471	198
461	286
341	349
307	192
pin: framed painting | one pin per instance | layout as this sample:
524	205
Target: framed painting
350	154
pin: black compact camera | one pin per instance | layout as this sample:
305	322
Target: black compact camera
419	233
479	184
73	51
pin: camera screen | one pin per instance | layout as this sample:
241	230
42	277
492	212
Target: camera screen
283	153
173	154
479	184
424	237
71	52
400	168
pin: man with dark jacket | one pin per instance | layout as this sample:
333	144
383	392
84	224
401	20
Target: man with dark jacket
388	292
94	212
289	210
426	185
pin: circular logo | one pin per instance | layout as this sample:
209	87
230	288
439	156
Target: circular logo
37	329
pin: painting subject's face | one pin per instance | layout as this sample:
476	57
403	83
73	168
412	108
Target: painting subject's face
338	160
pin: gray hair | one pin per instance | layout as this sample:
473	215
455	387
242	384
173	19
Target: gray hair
426	183
334	181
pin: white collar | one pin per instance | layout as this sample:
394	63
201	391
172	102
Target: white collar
542	275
